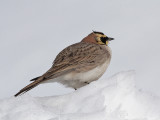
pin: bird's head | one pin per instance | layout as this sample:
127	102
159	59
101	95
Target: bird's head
97	38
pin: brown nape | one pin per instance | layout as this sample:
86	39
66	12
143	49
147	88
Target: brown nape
90	38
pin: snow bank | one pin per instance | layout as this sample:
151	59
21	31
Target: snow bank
116	98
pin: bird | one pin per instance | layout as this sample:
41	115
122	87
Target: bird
78	64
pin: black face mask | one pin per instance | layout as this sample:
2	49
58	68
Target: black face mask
104	39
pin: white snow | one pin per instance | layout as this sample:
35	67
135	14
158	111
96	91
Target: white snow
116	98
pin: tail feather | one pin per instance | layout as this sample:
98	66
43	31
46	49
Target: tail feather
28	87
34	79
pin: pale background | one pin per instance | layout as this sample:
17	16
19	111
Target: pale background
33	32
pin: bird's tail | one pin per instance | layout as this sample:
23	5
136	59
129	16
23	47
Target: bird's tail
29	87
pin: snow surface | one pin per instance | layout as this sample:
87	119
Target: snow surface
116	98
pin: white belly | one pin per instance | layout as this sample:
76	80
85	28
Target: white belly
89	76
78	80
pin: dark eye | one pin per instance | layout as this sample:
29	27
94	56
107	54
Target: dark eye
104	39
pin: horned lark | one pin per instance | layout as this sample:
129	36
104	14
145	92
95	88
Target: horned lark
78	64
